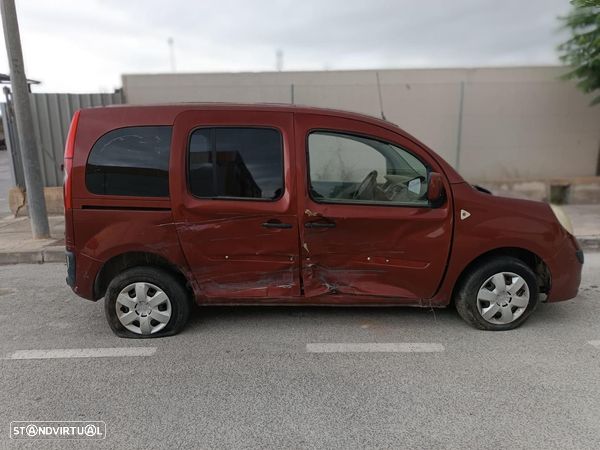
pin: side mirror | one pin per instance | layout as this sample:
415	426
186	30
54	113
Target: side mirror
435	189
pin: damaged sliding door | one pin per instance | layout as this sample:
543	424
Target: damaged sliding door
233	204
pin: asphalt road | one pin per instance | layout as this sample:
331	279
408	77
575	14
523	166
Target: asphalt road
243	378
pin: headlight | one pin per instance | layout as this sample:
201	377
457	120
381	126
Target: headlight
562	218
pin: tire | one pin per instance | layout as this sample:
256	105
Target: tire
485	306
137	297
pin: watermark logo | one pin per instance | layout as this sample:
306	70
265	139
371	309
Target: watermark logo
55	429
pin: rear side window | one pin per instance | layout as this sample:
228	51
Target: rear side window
244	163
130	161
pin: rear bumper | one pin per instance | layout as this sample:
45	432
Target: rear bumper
71	269
81	274
565	270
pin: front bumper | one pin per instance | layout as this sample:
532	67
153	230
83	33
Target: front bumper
565	270
579	255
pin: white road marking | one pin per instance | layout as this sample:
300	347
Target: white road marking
595	343
391	347
111	352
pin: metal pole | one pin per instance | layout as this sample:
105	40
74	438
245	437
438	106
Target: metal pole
380	96
460	124
31	167
171	43
12	146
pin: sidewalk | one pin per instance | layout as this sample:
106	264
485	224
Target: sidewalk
16	245
586	225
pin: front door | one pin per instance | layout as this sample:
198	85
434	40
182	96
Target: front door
366	227
233	208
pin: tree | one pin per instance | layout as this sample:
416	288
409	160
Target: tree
582	51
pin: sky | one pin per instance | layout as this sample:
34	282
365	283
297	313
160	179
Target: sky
85	45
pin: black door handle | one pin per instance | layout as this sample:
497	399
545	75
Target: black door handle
276	224
319	225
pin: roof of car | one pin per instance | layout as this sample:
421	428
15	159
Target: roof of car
176	108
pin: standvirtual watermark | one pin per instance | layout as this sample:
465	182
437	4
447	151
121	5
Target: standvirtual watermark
58	429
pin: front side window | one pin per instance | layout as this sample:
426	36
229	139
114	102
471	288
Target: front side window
352	169
130	161
238	162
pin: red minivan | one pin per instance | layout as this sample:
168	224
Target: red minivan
284	205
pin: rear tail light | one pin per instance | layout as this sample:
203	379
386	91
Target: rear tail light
68	165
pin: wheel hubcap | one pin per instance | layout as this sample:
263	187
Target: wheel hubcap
143	308
503	298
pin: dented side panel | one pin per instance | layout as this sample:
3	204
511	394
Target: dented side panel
234	256
230	251
401	257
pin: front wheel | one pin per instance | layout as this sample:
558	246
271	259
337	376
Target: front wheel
499	294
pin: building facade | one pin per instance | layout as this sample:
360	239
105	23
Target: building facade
489	123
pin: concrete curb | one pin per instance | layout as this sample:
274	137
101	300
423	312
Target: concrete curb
48	254
589	243
56	253
22	257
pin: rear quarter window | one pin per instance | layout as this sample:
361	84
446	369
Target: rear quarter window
131	161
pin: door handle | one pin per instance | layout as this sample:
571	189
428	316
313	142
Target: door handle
319	225
276	224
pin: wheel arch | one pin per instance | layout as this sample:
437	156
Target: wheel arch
127	260
531	259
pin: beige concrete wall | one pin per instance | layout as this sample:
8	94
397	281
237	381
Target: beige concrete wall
516	122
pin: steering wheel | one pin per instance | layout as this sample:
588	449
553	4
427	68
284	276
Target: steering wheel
366	185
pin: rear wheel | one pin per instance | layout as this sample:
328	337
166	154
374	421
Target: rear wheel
145	302
499	294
